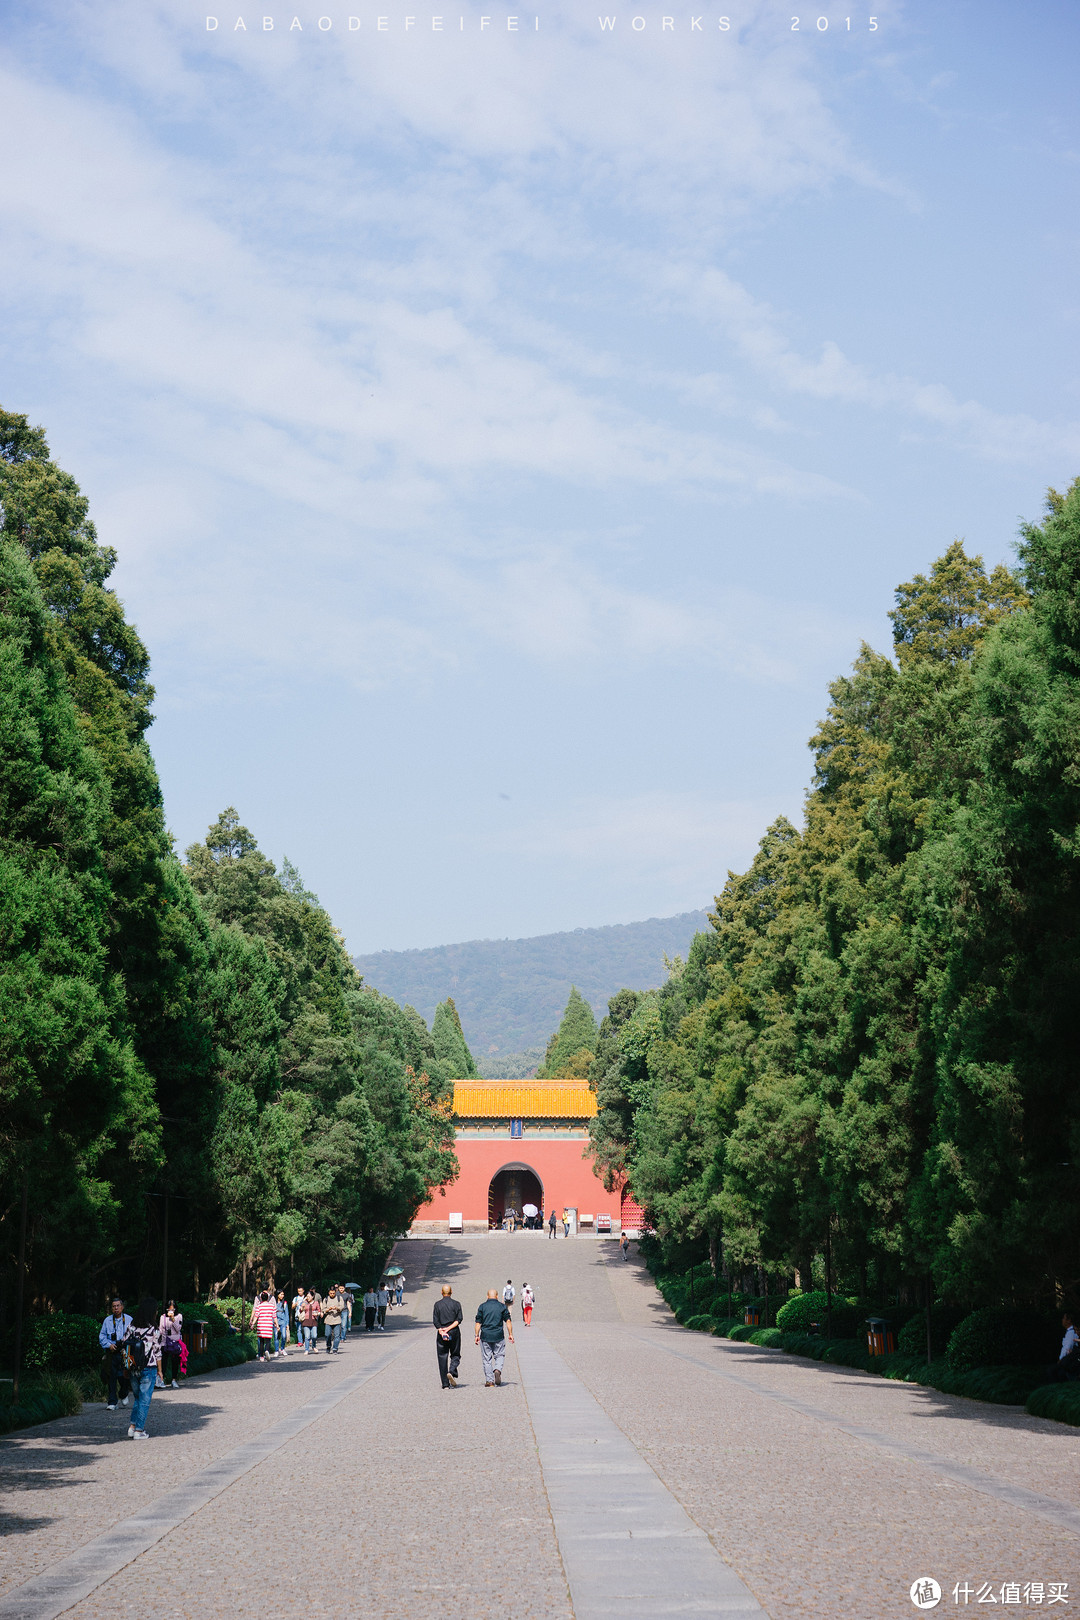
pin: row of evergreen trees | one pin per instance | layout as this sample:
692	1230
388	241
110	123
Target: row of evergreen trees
189	1029
871	1061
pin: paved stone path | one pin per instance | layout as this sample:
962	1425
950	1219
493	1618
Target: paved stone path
626	1467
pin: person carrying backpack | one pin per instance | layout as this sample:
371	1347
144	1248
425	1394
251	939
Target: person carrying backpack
141	1351
528	1300
508	1294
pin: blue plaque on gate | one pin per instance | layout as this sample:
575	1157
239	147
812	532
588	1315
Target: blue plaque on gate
515	1127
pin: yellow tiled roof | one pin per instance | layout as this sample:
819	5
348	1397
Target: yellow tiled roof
523	1099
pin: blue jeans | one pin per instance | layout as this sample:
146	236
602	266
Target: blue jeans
143	1386
309	1331
333	1336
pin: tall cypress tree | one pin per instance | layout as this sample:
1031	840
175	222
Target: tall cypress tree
451	1049
76	1105
572	1047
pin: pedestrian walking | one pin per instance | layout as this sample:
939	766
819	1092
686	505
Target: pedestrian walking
346	1310
528	1300
310	1311
332	1308
382	1300
264	1320
371	1305
508	1293
490	1317
171	1328
566	1223
446	1317
1068	1364
114	1330
142	1358
624	1245
281	1334
401	1289
298	1317
551	1224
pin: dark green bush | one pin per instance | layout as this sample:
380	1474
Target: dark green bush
943	1319
1059	1401
216	1325
61	1342
802	1309
227	1352
1004	1336
35	1406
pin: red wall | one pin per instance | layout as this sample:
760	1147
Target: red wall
565	1176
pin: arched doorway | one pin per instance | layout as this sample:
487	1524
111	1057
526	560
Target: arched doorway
511	1187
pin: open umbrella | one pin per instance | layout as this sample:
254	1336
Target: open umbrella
357	1287
394	1271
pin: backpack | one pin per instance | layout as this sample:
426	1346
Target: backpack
134	1354
508	1295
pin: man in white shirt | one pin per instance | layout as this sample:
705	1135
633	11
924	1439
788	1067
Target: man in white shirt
1069	1360
114	1330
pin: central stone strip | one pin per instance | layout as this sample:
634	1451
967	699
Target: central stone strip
47	1595
628	1548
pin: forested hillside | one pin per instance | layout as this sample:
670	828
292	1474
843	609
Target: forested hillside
866	1072
191	1030
510	993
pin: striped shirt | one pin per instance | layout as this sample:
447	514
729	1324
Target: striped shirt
264	1316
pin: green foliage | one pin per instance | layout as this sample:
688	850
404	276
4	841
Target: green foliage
451	1053
571	1048
61	1343
1002	1336
797	1315
943	1319
195	1032
868	1064
1058	1401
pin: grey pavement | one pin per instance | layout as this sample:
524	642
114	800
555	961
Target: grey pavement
625	1467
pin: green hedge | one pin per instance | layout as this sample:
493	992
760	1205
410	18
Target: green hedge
230	1351
1058	1401
35	1406
943	1320
1007	1386
61	1342
1004	1336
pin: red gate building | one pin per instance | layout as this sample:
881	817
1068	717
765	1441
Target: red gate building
520	1142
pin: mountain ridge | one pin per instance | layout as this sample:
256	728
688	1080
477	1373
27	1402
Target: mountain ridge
510	993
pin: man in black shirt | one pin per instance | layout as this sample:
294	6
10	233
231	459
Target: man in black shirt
490	1317
447	1319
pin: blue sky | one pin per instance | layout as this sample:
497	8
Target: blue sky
507	435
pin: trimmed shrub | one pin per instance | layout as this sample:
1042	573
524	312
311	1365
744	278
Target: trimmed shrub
216	1325
61	1342
1058	1401
228	1352
1003	1336
943	1319
803	1309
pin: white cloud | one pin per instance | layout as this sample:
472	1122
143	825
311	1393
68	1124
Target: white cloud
683	842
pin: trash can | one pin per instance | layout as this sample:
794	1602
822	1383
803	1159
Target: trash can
198	1336
752	1316
880	1336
